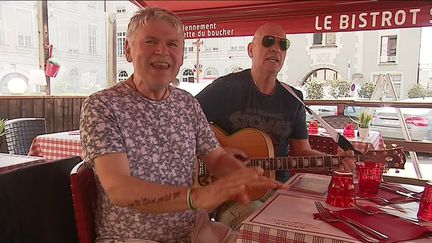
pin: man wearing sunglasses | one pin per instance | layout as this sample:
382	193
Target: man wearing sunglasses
255	98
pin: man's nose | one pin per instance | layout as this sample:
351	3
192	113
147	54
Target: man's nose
161	48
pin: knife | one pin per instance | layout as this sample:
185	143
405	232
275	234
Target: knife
405	194
365	228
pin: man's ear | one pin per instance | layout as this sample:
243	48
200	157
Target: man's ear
250	47
127	51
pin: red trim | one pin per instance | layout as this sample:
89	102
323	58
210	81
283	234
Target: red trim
240	18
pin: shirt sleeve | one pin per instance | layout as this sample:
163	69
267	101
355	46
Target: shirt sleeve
100	133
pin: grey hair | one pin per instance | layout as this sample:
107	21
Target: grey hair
141	18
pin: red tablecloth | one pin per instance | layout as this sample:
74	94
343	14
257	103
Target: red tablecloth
57	145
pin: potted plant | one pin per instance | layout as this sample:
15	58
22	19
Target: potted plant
363	123
2	127
52	67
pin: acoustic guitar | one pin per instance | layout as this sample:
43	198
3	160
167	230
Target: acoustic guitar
259	147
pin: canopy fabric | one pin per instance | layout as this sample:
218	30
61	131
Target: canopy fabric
204	19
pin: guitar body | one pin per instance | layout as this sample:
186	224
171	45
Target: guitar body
254	143
259	147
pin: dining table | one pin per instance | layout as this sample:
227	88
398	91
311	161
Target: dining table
54	146
290	215
374	141
14	161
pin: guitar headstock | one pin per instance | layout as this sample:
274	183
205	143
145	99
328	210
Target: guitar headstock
393	158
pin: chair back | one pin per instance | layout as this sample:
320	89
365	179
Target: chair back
337	122
36	203
84	195
20	133
323	144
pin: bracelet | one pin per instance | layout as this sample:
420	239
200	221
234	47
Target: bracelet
191	206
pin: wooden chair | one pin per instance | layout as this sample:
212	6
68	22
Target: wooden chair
84	195
21	132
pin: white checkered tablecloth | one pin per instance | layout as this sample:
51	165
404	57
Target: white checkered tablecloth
14	161
57	145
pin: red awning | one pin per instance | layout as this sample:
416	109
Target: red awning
204	19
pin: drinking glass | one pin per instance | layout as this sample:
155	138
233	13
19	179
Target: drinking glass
313	127
349	130
341	191
369	177
425	207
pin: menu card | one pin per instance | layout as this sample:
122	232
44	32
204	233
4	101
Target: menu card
311	185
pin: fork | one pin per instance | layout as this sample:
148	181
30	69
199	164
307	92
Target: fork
327	217
373	211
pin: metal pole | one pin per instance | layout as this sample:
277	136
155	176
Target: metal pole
43	37
111	48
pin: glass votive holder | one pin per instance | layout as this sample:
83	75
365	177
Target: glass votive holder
425	207
369	174
349	130
341	190
313	127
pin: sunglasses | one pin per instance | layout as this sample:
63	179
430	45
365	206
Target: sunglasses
268	41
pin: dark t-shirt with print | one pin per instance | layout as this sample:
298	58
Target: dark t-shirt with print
232	102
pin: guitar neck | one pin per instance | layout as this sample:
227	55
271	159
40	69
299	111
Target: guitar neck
289	163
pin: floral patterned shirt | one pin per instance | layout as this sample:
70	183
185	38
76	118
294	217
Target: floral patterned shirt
161	140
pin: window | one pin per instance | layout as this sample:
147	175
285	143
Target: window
238	44
73	33
396	79
74	77
324	39
121	43
324	74
92	40
211	73
5	81
120	7
188	76
122	75
211	45
388	49
24	28
188	48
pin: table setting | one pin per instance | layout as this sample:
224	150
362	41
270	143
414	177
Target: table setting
341	208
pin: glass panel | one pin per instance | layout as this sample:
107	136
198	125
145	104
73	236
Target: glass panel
79	42
18	46
317	38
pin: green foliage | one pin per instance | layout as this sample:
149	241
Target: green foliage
314	89
54	61
365	119
339	88
2	127
366	90
418	91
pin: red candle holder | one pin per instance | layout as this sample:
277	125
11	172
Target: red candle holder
425	207
341	190
313	127
349	130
